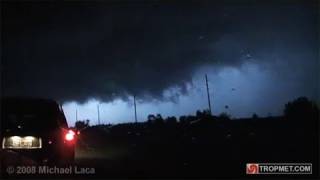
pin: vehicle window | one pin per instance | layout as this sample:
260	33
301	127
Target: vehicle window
26	115
62	120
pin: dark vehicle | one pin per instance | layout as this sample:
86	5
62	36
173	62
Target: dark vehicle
37	129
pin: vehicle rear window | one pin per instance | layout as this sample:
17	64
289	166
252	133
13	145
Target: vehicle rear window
29	115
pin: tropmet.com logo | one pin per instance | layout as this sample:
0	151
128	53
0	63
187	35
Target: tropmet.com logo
279	168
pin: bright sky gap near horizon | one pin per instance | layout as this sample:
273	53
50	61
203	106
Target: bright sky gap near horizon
250	84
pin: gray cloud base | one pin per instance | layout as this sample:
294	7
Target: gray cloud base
80	51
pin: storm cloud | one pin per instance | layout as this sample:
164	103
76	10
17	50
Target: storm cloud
77	51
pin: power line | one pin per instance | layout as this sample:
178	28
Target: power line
76	115
135	108
98	111
208	94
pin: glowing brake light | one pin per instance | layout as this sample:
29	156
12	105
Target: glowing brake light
70	135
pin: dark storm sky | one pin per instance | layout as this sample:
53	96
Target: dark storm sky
78	51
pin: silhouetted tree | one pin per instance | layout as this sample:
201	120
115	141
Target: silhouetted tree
202	114
190	118
171	120
254	116
182	119
159	119
151	118
82	124
199	114
224	116
301	109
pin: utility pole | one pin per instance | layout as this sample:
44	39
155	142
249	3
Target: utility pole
76	115
135	108
208	95
98	114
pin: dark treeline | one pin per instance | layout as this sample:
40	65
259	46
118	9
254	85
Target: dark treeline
212	146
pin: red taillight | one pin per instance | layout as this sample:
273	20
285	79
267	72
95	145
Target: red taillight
69	136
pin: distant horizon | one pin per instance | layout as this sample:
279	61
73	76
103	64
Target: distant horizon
177	117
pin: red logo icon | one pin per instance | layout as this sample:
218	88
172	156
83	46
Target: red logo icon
252	168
